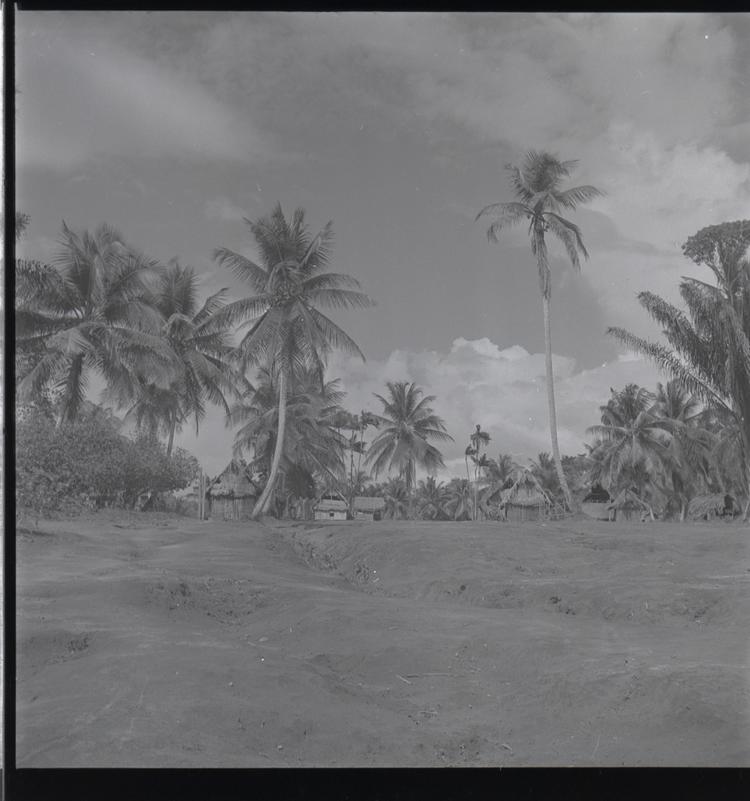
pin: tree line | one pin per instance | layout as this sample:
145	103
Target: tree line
104	307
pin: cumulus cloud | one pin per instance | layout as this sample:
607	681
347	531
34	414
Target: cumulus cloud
503	389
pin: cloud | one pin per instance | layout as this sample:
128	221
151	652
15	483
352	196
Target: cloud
475	382
84	97
502	389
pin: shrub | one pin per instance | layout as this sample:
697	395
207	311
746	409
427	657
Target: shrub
89	464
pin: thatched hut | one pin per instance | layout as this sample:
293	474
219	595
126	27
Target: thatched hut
707	507
596	504
232	494
526	499
332	507
629	506
365	508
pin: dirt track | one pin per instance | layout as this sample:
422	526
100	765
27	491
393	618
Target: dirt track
145	641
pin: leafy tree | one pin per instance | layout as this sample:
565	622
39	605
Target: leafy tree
540	199
88	463
708	348
407	422
287	328
93	311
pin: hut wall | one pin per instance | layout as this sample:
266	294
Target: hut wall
333	514
231	508
521	514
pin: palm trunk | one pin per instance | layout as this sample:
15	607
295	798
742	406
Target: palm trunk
265	499
172	427
551	404
69	412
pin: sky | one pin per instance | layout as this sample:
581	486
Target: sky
175	126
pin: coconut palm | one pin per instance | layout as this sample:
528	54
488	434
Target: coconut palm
311	440
681	414
546	473
540	200
200	339
94	312
460	499
432	499
708	346
286	327
407	422
499	474
633	447
397	499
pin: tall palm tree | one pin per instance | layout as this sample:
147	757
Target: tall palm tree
709	345
200	339
540	199
406	424
94	311
286	327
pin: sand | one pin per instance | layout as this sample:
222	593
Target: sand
150	641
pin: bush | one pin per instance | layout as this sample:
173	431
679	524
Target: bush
88	464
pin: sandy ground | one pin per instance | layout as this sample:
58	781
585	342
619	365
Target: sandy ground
145	641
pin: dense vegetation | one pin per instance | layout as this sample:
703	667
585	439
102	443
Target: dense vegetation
104	308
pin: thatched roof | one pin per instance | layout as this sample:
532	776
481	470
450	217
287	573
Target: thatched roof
526	491
234	482
702	505
363	503
627	499
331	505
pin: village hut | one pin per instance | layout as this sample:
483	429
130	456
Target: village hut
526	499
332	507
707	507
368	508
629	506
596	504
232	494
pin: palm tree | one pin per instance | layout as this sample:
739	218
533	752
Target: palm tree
460	497
632	445
200	339
546	473
93	311
499	474
709	345
407	423
396	498
689	456
432	499
311	440
286	326
540	199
